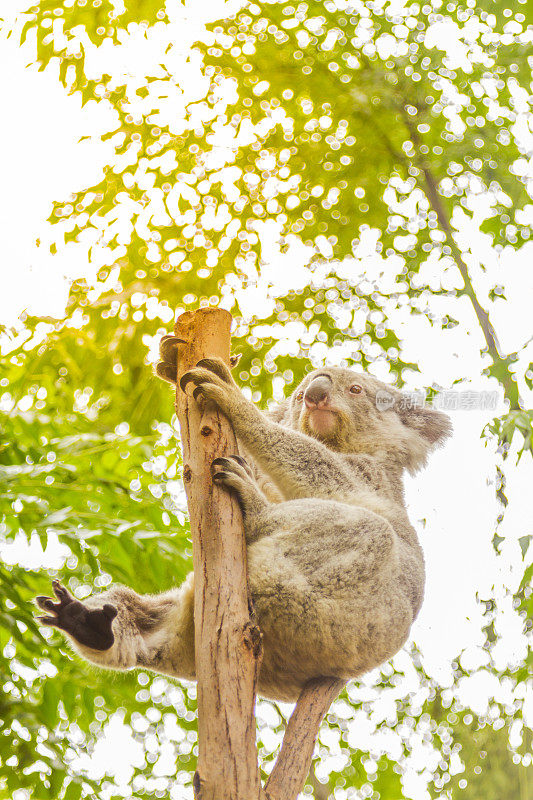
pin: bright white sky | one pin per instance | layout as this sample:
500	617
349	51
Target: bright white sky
43	161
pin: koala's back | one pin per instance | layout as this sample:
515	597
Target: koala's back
327	593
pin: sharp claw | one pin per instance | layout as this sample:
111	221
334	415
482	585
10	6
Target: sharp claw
45	602
220	476
166	371
205	362
51	621
175	339
184	380
61	593
197	392
216	366
219	462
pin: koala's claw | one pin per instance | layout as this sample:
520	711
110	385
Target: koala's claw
217	366
166	371
90	627
170	340
220	477
46	603
168	347
227	464
62	594
244	464
197	393
221	474
232	470
186	378
207	370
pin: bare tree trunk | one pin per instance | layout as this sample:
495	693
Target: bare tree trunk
228	642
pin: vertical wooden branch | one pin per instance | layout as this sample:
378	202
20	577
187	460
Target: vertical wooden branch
227	643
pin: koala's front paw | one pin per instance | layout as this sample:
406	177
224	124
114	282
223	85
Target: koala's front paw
90	627
166	368
227	469
213	380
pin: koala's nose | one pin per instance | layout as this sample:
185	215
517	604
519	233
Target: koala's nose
317	393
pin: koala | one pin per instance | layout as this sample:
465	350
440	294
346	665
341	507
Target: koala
336	571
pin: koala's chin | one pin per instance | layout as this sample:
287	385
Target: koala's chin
322	421
326	425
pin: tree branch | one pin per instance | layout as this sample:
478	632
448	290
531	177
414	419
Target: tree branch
505	377
227	640
292	765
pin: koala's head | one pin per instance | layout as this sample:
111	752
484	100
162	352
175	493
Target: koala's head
351	412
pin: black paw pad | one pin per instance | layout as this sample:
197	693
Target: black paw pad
109	611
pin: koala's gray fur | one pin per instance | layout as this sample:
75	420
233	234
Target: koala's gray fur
336	571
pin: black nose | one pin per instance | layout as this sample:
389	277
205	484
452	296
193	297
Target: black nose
318	391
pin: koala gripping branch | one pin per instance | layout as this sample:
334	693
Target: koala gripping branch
227	641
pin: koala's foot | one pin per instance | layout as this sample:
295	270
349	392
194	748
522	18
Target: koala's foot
90	627
235	473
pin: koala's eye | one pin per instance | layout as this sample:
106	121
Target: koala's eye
300	396
356	389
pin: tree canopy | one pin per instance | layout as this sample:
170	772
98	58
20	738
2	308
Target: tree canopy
325	171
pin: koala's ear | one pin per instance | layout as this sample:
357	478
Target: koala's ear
433	425
425	429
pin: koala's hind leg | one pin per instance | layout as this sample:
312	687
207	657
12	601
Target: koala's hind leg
234	473
120	629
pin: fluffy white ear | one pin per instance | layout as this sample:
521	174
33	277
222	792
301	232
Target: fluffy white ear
433	425
426	429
